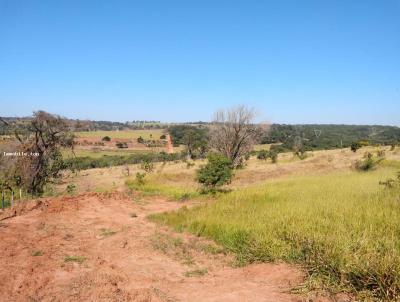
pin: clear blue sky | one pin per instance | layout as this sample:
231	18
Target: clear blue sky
319	61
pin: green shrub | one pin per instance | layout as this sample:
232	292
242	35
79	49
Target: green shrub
71	188
189	164
368	163
274	156
216	173
140	140
106	139
355	146
263	155
121	145
147	165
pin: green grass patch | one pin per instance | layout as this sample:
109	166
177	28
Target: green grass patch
152	186
77	259
344	228
196	272
107	232
37	253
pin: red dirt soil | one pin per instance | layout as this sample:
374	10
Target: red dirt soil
120	266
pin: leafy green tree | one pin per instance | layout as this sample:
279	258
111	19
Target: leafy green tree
216	173
194	138
195	142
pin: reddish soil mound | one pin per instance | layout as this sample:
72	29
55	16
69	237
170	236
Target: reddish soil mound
101	247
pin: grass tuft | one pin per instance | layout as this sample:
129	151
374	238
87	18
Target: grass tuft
196	273
107	232
37	253
77	259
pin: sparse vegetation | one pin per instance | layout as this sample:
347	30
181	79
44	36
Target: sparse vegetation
196	272
369	162
71	189
147	165
107	232
140	178
392	183
263	155
77	259
37	253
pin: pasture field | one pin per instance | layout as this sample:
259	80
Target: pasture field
123	134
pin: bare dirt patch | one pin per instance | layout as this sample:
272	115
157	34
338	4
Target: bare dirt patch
101	247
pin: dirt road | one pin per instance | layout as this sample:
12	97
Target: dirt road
99	247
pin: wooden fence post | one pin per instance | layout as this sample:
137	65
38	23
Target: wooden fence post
12	198
2	199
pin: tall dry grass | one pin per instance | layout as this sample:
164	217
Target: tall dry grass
343	227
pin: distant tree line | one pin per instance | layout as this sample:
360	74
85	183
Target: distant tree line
320	137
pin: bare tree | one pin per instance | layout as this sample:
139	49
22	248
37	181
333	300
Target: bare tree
234	132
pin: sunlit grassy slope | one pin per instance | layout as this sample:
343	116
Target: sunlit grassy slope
343	226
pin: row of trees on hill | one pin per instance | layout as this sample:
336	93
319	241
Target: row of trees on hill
317	137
